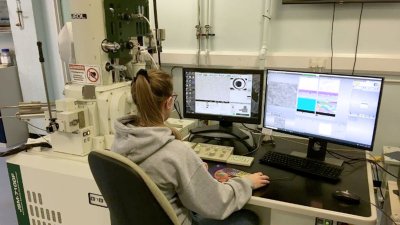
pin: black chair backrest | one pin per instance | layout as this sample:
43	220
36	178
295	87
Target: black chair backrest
126	190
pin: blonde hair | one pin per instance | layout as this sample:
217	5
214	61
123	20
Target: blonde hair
149	92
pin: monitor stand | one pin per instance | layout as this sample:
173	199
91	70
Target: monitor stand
317	150
224	130
221	128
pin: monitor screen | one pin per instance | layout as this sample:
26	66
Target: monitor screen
228	95
342	109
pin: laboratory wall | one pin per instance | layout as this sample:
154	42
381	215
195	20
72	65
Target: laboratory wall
297	37
48	24
6	40
38	25
5	33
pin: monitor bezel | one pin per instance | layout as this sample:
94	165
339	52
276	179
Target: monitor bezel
324	138
223	118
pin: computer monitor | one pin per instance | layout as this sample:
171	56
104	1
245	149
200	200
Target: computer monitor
224	95
341	109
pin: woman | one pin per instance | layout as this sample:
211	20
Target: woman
174	167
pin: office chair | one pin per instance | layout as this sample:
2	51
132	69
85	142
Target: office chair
131	196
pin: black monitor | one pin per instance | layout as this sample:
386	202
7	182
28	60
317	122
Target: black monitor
341	109
224	95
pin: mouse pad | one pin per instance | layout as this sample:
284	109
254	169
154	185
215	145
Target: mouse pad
222	173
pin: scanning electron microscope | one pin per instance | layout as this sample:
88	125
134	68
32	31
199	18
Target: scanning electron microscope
109	46
112	40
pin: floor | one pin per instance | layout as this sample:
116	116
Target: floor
7	210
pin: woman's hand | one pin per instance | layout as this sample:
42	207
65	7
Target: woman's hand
258	180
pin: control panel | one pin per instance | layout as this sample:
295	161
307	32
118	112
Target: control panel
219	153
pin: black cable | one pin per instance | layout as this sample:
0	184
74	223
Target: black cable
333	22
391	174
178	111
251	129
176	103
29	124
158	43
190	137
35	126
24	147
376	164
363	159
350	160
358	37
179	107
256	146
174	67
45	139
378	180
382	211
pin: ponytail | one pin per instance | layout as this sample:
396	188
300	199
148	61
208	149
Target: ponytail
149	91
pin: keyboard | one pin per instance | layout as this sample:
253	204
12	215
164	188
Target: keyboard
308	167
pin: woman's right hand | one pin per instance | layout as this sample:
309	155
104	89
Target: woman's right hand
258	180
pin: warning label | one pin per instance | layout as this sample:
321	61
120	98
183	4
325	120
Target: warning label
92	75
84	74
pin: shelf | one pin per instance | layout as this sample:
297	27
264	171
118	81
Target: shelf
5	30
4	67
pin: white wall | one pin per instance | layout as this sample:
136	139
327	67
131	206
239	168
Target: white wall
46	25
6	41
305	30
5	37
299	34
39	25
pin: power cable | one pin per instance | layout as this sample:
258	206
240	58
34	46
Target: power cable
24	147
178	110
358	38
333	22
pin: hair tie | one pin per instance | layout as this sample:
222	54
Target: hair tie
142	72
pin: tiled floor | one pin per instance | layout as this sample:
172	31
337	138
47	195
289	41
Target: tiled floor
7	210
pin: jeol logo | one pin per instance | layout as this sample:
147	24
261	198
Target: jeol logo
79	16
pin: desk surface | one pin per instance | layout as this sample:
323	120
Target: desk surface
312	193
394	202
296	194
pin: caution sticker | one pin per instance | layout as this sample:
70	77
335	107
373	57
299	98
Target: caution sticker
85	74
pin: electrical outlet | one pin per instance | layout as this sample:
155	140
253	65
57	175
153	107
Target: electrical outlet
317	64
268	135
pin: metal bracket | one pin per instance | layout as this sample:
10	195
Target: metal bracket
20	23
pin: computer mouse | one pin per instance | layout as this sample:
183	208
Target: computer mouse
346	197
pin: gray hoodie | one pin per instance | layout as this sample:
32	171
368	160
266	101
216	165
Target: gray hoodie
179	172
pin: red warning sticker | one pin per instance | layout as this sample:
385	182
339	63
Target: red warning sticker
85	74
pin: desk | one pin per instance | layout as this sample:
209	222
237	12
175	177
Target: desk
391	164
302	199
392	205
67	187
